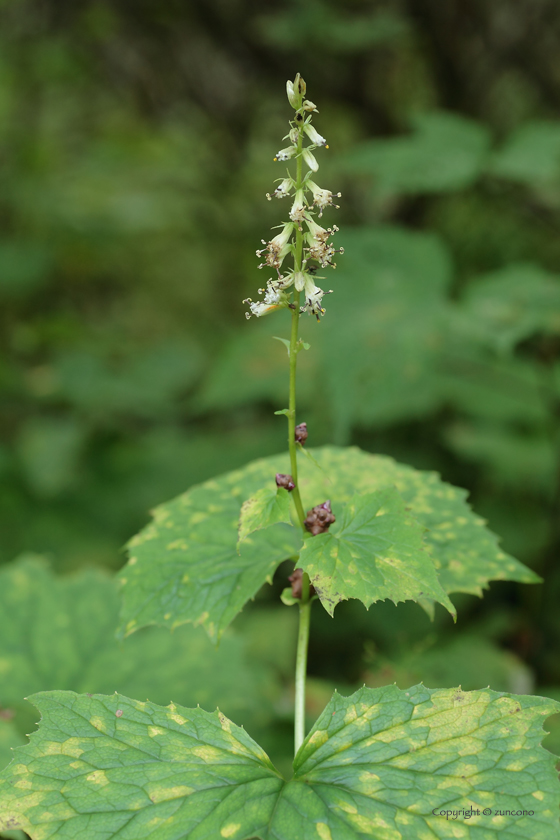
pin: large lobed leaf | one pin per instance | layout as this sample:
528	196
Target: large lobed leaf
185	566
383	763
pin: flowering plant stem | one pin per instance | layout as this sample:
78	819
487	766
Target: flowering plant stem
311	250
305	604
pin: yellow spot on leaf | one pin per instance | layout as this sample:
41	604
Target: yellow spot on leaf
98	778
208	754
230	830
318	738
163	794
178	719
538	794
72	747
155	730
177	544
323	831
98	723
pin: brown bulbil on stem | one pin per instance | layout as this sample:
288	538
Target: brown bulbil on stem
295	579
319	518
285	481
301	433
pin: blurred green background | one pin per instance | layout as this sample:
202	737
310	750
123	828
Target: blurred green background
136	150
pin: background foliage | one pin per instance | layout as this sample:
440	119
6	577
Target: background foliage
137	143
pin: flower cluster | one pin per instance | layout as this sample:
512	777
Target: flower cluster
301	237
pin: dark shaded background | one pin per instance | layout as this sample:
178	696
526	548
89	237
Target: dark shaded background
136	150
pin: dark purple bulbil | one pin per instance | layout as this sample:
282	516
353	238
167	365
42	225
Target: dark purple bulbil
285	481
319	518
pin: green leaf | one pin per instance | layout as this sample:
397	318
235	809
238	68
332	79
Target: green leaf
184	566
59	632
381	763
375	551
531	156
107	766
383	349
468	657
445	152
510	305
264	509
285	411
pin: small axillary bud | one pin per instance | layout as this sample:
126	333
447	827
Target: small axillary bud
285	481
319	518
300	433
295	579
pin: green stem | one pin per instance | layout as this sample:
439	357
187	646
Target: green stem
301	662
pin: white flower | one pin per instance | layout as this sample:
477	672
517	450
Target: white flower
282	189
320	248
310	160
310	106
286	154
273	300
277	248
322	198
297	213
313	299
314	135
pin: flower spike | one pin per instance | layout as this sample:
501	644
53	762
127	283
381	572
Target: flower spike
307	241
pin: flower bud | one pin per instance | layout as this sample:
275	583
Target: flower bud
285	481
293	99
310	160
301	433
299	85
319	518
